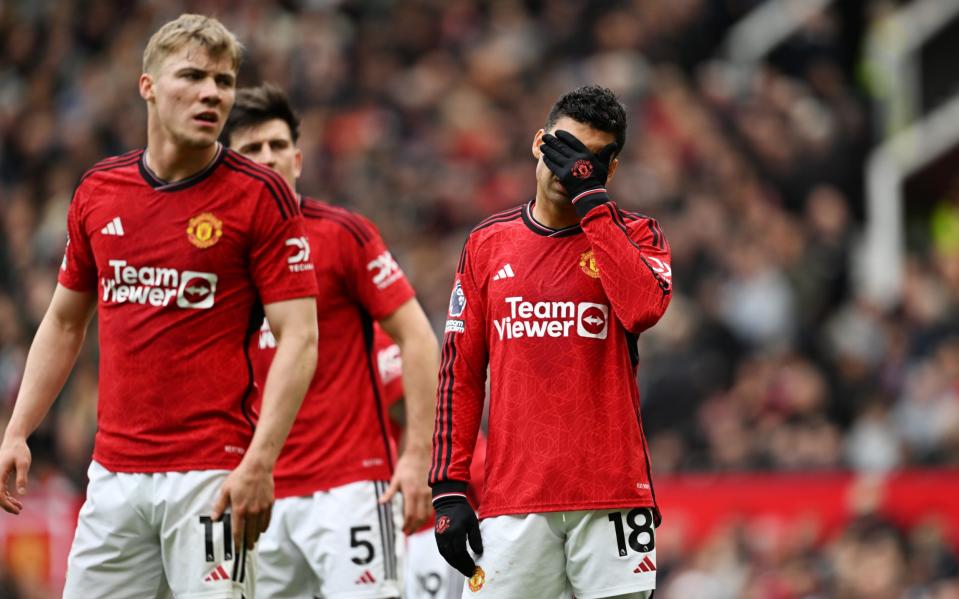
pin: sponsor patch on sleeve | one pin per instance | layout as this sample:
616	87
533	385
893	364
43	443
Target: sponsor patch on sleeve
300	260
457	301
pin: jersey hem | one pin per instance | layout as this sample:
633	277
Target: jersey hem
78	287
566	507
133	468
308	488
393	306
282	297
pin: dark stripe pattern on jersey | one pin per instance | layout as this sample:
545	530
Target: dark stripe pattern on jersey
108	164
167	186
443	419
618	219
499	217
342	217
367	324
257	314
540	229
274	183
659	240
444	416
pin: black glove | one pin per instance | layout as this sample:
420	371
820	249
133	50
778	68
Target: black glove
581	172
455	523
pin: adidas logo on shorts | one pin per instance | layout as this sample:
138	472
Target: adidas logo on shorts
366	578
218	573
646	565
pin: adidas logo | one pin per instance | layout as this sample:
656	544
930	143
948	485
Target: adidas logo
367	578
646	565
114	227
218	573
504	273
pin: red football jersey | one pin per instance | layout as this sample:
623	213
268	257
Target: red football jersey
341	434
389	367
391	370
181	271
555	314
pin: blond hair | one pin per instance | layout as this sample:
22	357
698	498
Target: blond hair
197	29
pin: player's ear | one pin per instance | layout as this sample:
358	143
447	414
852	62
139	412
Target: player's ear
537	142
612	169
146	86
297	162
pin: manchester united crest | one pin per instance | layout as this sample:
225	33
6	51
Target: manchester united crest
442	524
477	580
204	230
582	169
588	263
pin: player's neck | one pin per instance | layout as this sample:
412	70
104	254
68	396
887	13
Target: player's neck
555	214
171	162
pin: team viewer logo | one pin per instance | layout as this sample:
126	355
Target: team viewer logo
157	286
552	319
588	263
196	290
204	230
592	320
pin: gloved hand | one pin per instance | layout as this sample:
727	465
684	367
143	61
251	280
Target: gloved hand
455	523
581	172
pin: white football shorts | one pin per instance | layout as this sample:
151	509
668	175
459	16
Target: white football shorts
150	535
428	576
558	555
336	544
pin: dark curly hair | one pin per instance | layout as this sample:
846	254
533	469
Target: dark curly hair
595	106
257	105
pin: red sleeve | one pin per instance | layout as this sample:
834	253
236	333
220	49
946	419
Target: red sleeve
280	253
375	278
478	472
78	271
389	364
462	382
634	264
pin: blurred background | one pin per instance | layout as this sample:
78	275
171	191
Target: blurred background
802	393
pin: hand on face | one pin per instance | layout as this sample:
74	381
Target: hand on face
577	168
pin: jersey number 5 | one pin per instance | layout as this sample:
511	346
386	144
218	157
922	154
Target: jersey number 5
366	545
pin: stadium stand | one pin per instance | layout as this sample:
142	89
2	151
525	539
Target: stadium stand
770	365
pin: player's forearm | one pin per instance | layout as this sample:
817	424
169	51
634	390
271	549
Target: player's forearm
51	358
464	385
455	440
420	365
286	383
635	276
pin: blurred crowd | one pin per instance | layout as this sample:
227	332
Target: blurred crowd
871	558
421	113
